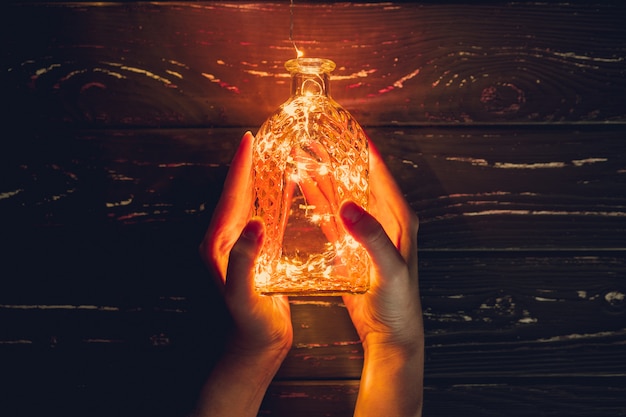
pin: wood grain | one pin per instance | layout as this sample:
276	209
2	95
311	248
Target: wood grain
211	63
503	124
480	188
494	399
131	202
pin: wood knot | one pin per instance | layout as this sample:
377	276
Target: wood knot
502	99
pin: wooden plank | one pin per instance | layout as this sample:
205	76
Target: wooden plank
525	187
484	188
486	316
165	391
522	297
221	64
556	399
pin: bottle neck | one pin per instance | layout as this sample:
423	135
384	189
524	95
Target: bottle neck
310	76
310	84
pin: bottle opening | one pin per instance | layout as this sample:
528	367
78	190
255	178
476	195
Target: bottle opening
310	65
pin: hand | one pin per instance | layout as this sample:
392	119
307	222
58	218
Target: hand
261	322
388	318
389	313
262	333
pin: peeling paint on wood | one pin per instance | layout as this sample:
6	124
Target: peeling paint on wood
502	122
211	63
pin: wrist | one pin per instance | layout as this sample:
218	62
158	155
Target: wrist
267	356
238	382
389	354
404	344
392	380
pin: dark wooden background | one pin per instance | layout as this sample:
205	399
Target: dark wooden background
503	122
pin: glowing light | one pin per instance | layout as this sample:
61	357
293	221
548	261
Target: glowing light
301	177
316	219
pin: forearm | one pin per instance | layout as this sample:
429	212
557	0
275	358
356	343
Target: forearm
237	385
391	384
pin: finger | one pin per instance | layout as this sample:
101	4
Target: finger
240	276
320	204
369	233
237	180
228	218
239	173
385	195
388	203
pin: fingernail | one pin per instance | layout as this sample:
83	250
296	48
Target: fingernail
351	212
253	230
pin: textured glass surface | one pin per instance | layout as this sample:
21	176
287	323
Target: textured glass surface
309	156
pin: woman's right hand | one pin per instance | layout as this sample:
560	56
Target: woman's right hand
388	318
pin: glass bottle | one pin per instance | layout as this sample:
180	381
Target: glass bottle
308	157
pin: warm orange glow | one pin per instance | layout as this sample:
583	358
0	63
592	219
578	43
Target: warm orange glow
309	157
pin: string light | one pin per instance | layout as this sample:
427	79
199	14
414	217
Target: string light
308	158
299	53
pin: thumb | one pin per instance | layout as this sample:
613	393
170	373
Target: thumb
240	272
371	234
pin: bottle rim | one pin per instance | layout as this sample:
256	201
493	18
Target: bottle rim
310	65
